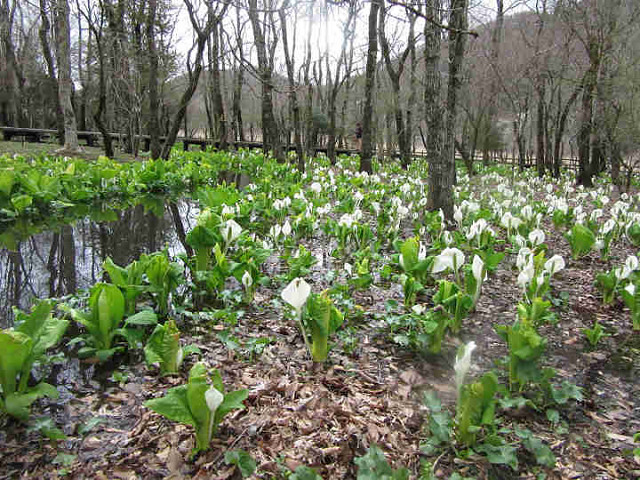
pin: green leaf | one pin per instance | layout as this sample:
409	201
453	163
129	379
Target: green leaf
241	459
232	401
17	404
500	454
565	392
553	415
544	455
173	405
15	348
305	473
163	348
7	179
47	427
143	318
374	466
90	424
21	202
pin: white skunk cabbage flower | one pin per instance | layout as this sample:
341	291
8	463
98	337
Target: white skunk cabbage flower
247	280
631	263
286	228
457	214
449	258
631	289
477	268
463	363
536	237
316	187
525	256
296	294
418	309
214	398
348	268
554	264
230	231
526	275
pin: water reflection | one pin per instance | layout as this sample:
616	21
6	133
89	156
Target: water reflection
56	263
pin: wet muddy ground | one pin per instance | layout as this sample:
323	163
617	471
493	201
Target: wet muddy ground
369	391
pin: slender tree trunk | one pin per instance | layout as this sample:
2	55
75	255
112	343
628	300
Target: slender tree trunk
457	40
194	75
439	191
45	27
154	100
64	76
370	72
496	42
292	94
270	133
219	119
540	130
585	171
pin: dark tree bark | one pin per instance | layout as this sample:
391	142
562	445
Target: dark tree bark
17	80
219	120
96	28
496	43
45	27
154	99
63	52
439	191
370	72
395	74
270	130
202	33
292	94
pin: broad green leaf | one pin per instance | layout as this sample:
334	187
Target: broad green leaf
374	466
21	202
232	401
500	454
15	348
7	179
305	473
143	318
241	459
173	405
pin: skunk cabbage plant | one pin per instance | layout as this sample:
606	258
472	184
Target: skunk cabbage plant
104	319
163	348
20	348
200	403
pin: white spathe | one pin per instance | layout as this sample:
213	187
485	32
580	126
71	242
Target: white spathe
554	264
214	399
449	258
247	280
230	231
477	267
296	293
536	237
463	363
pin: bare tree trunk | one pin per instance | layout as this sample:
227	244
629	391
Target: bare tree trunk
292	94
194	74
496	42
64	76
394	75
270	133
585	172
45	27
370	72
154	101
219	119
7	15
540	147
439	191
